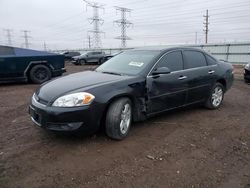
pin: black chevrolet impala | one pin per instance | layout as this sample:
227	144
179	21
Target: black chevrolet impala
132	86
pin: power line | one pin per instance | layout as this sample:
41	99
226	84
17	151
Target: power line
124	24
9	36
206	26
97	22
26	38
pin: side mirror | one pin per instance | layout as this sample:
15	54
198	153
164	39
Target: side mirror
161	70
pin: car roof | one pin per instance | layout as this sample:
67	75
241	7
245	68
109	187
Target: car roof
165	48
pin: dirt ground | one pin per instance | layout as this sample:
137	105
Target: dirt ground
192	147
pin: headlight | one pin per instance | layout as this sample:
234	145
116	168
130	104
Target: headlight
75	99
247	66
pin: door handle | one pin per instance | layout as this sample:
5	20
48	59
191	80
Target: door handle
182	77
211	72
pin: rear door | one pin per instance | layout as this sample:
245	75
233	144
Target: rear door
94	57
199	75
167	91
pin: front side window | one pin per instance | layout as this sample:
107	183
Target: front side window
172	60
210	60
194	59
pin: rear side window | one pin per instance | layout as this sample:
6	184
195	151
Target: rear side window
194	59
210	60
172	60
5	50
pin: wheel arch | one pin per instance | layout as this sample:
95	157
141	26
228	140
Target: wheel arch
114	98
223	82
32	64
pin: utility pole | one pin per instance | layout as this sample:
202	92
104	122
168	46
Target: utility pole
9	36
26	38
206	26
97	22
124	24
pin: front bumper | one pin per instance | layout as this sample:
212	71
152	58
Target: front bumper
75	61
85	118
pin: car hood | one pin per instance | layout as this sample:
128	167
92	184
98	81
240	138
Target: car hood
78	81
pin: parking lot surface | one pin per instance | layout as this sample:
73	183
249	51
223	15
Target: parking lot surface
191	147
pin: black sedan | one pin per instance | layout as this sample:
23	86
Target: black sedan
247	73
132	86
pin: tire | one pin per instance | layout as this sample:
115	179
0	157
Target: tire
39	74
216	97
101	61
119	118
82	62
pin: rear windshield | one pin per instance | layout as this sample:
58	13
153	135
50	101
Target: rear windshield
5	50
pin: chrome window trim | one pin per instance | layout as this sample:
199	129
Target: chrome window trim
160	59
150	76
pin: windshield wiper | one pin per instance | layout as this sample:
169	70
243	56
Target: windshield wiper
114	73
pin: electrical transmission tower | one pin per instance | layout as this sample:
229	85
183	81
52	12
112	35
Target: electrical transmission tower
97	22
206	26
124	24
26	38
44	46
9	36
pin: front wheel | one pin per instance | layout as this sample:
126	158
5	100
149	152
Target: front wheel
82	62
216	97
119	118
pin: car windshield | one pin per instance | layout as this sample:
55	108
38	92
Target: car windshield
84	53
128	63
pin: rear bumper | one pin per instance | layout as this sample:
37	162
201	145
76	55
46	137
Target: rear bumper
85	118
58	72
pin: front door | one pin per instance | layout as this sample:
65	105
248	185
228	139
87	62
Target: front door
167	91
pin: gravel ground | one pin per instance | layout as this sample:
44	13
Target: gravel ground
191	147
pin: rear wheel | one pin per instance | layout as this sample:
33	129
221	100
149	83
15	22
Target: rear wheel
100	61
39	74
119	118
216	97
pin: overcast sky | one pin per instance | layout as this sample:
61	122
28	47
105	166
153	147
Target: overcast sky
63	24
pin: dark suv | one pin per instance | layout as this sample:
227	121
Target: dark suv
18	64
91	57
